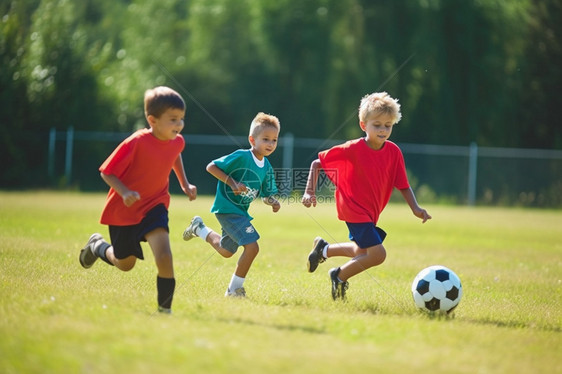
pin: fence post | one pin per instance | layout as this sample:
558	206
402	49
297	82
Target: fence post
472	172
69	150
288	148
51	155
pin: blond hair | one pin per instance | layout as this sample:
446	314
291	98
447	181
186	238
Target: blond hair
261	121
379	103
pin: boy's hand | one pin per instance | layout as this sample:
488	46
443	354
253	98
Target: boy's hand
191	191
276	206
421	213
273	202
130	197
308	199
237	188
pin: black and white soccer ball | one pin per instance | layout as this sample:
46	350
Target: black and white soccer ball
437	289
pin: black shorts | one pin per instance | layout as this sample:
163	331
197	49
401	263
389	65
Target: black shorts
126	239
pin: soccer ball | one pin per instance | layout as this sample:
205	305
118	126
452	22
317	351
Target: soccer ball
437	289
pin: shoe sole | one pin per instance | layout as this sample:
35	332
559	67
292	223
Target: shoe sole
312	254
338	289
192	235
84	252
334	285
242	294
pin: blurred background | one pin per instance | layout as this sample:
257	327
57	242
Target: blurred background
478	81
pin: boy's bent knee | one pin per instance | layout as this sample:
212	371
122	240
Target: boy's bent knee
377	255
125	267
252	248
126	264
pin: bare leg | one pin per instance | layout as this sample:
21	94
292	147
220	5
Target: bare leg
124	264
214	239
348	249
246	259
159	242
373	256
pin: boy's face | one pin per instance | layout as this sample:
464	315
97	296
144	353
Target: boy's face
378	129
168	125
265	142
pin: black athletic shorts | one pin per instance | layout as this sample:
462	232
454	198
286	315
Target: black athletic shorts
126	239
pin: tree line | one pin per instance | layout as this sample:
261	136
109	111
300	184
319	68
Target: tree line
464	70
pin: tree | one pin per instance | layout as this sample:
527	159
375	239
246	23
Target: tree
14	107
538	111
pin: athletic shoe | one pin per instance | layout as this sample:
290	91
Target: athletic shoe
338	287
316	257
239	292
189	232
87	254
164	310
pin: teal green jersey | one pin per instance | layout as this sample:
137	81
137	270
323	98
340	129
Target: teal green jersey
244	167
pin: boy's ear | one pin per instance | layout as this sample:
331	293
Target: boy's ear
362	125
151	120
251	140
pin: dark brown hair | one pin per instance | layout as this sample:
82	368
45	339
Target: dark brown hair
159	99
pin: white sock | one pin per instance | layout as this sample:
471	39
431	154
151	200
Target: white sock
203	232
235	283
325	251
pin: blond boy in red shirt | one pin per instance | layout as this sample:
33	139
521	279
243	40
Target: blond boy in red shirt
365	171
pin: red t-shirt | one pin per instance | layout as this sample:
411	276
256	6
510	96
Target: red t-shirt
143	163
364	178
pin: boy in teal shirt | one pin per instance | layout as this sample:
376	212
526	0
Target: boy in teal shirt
242	176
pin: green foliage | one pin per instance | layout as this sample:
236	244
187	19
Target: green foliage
14	107
58	317
538	121
484	71
51	83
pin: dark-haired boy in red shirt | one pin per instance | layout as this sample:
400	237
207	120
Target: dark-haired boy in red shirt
137	204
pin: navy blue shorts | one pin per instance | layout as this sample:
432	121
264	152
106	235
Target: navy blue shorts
366	234
236	231
126	239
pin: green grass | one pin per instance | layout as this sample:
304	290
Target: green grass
59	318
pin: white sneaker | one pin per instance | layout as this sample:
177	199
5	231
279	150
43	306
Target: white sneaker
189	232
239	292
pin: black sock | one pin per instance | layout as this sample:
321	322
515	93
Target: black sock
100	249
166	287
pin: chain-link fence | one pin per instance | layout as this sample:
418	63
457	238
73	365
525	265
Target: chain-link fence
453	174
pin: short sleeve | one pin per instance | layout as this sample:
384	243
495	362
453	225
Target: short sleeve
269	186
118	162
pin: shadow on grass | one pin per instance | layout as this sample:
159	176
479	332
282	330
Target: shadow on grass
514	324
277	326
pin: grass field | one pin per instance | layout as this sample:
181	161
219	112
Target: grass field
59	318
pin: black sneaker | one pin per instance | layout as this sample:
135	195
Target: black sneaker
87	254
338	287
316	257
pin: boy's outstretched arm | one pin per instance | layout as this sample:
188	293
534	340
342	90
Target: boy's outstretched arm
410	198
189	189
216	172
309	197
129	197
